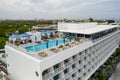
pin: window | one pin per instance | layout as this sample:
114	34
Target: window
44	72
56	66
79	61
73	75
56	77
65	71
79	78
66	61
67	79
73	66
79	70
88	70
84	66
84	74
85	58
80	53
74	57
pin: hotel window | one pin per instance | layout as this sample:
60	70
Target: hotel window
56	77
56	66
65	71
84	74
79	70
85	58
66	61
79	61
73	75
80	53
79	78
45	72
88	70
84	66
67	79
73	66
74	57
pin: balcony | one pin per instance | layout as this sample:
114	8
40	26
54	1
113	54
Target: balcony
47	76
58	70
67	64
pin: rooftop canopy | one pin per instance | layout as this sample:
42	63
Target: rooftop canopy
83	28
19	35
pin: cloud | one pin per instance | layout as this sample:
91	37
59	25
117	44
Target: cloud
56	9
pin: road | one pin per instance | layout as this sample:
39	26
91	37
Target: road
116	73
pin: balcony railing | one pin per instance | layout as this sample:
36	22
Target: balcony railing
58	69
67	64
45	77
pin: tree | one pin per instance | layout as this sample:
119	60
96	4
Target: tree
91	19
22	29
2	42
118	51
2	32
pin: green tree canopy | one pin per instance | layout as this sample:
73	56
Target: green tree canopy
91	19
2	42
22	29
118	51
2	32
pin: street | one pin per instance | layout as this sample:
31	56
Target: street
116	73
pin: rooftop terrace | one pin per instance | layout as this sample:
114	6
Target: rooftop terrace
51	46
40	54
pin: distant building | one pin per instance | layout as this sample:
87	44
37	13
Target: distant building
44	27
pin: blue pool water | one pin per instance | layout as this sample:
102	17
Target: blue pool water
45	45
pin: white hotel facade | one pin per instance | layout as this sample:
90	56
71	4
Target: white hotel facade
78	62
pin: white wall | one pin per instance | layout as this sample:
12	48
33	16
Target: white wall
22	66
61	56
75	26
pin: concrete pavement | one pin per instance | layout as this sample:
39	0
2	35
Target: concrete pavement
116	73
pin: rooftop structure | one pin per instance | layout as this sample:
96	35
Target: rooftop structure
75	54
83	28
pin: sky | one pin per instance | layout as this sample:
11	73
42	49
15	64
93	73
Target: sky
59	9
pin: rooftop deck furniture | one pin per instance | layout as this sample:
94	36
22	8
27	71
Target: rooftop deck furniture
38	41
67	44
46	40
43	54
55	50
61	46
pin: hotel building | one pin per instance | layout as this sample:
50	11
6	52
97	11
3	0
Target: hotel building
74	60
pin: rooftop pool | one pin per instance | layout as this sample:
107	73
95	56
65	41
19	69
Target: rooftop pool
45	45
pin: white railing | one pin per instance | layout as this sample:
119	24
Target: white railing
45	77
105	36
57	70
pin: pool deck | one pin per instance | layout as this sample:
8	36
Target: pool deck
49	51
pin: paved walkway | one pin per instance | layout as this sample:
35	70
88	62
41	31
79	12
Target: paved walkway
116	73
